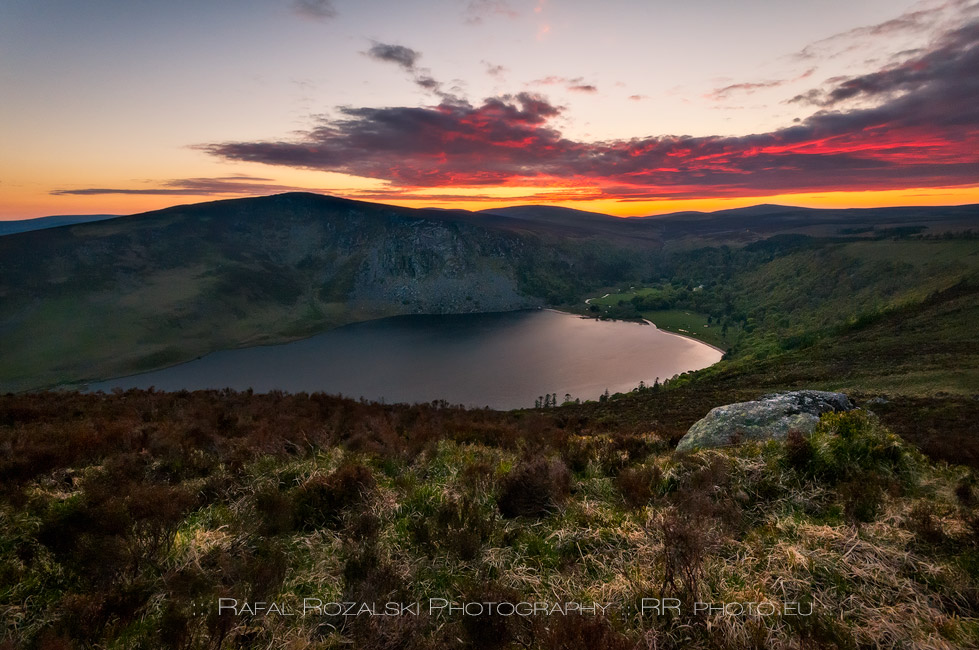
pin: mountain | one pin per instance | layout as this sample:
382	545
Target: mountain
554	221
25	225
115	297
118	296
736	226
743	225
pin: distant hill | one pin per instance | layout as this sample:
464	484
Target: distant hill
549	214
562	222
743	225
117	296
26	225
114	297
737	225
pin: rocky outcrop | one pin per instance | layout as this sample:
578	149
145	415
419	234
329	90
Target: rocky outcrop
770	418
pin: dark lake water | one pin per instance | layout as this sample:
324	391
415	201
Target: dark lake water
501	360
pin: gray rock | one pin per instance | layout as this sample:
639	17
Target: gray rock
769	418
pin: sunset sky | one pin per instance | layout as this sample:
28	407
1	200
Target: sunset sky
629	107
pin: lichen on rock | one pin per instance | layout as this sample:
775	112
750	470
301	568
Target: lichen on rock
771	417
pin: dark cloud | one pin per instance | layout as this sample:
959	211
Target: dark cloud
954	61
919	21
407	59
723	93
921	129
316	9
224	185
397	54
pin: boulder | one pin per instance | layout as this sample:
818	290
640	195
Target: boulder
768	418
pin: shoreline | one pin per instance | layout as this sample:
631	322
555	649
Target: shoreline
692	338
88	386
645	321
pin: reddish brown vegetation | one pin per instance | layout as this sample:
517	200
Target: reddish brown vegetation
534	488
637	484
187	434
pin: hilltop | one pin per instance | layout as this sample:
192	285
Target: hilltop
55	221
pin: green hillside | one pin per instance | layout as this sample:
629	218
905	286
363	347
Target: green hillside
135	293
894	315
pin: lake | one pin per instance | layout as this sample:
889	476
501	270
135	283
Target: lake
502	360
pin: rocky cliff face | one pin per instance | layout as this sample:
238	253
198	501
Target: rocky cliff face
432	267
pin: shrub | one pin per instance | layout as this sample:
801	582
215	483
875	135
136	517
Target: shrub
799	452
858	447
686	540
577	452
275	511
321	500
534	488
965	491
862	498
369	577
156	512
263	568
638	484
459	526
491	630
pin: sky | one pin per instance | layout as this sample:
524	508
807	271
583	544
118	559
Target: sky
628	107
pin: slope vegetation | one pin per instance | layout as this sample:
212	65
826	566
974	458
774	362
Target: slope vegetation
126	518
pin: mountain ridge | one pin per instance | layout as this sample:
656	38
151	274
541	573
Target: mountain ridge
148	290
138	292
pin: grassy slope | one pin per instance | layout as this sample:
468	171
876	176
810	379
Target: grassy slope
825	285
895	316
891	316
126	517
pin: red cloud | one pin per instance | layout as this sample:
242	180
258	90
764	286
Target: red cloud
924	131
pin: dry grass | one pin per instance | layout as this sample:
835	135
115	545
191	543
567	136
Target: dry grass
609	520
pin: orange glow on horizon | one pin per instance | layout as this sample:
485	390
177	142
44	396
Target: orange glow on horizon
632	208
31	206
